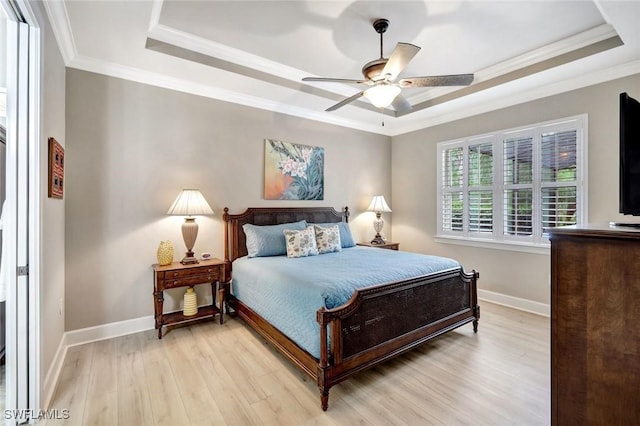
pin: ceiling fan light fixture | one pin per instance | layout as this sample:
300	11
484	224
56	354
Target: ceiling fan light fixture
380	74
382	95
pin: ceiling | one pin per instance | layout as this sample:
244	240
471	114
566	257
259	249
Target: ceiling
256	52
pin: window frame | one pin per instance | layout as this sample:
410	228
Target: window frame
538	242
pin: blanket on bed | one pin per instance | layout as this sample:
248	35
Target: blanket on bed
287	292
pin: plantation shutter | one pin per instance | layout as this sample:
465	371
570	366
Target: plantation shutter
518	186
559	178
510	186
480	187
452	189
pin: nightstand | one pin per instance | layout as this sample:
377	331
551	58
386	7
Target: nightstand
178	275
389	246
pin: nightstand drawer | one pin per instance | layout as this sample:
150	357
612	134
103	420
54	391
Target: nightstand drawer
190	272
189	281
387	245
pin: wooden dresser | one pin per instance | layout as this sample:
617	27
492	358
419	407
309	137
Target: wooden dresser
595	325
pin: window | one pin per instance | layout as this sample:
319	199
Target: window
512	185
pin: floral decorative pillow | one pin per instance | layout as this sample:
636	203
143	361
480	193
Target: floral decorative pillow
301	243
328	238
346	239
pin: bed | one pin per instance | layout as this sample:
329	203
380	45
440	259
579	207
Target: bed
402	304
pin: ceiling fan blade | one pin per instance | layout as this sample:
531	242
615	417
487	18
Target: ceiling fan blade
400	57
335	80
400	104
345	101
437	80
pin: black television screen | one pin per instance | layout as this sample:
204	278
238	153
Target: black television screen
629	155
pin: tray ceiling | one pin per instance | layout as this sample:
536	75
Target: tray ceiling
256	52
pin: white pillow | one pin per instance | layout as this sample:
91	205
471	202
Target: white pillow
328	238
301	243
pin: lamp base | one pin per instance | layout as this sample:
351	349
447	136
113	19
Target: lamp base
378	224
378	240
189	234
189	258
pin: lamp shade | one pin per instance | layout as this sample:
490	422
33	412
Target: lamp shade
190	202
381	95
378	204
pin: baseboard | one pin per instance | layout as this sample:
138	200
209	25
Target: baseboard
108	331
515	302
51	379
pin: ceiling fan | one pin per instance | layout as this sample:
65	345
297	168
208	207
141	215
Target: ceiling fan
381	74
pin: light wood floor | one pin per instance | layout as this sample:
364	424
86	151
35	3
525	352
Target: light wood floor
207	374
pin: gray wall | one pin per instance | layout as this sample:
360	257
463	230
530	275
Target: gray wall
52	272
130	149
522	275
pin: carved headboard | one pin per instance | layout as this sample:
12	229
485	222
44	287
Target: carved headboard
235	245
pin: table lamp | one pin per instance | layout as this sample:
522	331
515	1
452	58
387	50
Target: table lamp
189	203
378	205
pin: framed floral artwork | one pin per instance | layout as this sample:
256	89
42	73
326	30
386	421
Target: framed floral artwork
292	171
56	169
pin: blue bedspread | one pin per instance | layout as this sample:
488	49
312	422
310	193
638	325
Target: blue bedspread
287	292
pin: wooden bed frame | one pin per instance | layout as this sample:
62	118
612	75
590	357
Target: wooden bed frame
377	323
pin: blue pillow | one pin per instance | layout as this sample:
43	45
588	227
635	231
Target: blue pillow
268	240
346	239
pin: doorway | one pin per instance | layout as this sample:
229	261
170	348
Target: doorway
3	153
3	183
19	263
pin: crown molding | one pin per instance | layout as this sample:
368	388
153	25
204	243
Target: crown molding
573	83
424	121
186	86
156	11
569	44
61	26
218	50
541	55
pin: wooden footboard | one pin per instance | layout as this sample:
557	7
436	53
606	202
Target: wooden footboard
383	321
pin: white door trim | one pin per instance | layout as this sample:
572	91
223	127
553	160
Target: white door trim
24	213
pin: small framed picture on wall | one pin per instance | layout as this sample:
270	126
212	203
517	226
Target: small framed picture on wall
56	169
